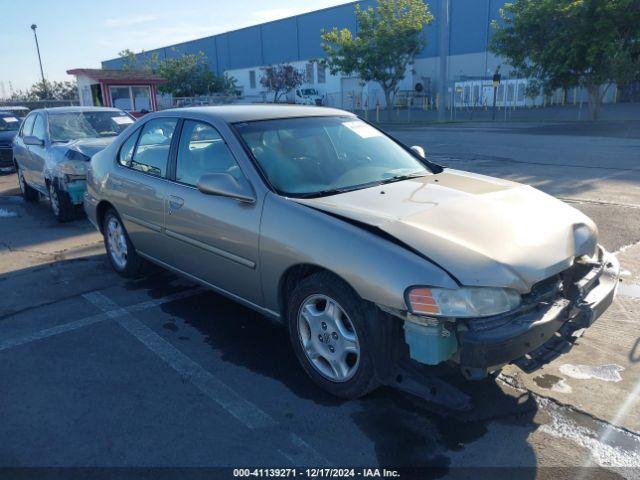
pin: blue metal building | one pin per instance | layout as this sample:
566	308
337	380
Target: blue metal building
297	40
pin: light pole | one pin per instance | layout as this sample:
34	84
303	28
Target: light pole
35	35
444	58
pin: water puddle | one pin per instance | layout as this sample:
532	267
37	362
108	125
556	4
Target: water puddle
607	373
553	383
629	289
7	213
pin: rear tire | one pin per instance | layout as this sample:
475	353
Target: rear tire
61	205
332	336
121	253
30	195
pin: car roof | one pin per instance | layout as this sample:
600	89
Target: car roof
54	110
247	113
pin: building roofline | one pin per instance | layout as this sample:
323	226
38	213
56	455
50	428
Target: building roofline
353	2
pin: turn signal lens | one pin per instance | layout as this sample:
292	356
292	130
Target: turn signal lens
422	301
462	302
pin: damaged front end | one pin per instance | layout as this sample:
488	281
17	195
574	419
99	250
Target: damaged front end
70	175
543	325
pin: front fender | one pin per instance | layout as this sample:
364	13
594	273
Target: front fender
377	269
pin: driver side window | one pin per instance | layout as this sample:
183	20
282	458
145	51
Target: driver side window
39	128
202	150
27	125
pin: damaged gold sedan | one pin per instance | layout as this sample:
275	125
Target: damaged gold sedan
377	260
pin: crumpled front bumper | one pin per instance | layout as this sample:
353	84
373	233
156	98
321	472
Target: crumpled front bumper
523	337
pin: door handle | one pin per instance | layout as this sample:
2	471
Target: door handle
175	203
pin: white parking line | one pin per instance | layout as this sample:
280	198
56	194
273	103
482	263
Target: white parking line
99	317
243	410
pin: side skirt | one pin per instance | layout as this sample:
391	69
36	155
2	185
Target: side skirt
264	311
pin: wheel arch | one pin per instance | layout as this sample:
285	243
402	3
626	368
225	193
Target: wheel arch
101	209
292	276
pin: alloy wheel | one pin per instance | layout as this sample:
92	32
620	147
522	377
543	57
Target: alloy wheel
328	338
55	201
117	243
21	182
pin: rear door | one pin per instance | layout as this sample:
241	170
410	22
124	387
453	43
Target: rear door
138	184
213	238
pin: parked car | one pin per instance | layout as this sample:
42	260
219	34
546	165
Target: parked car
52	149
17	111
372	255
9	125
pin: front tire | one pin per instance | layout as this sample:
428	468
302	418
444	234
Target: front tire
330	333
61	205
30	195
121	253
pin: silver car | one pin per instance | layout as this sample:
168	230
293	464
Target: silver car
52	149
373	257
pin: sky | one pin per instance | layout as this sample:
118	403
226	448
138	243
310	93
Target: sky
80	34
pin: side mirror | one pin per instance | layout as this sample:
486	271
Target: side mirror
419	150
226	185
34	141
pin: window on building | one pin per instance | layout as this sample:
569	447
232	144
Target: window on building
152	151
121	98
129	98
202	151
252	79
321	73
308	78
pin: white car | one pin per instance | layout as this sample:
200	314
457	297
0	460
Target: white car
308	96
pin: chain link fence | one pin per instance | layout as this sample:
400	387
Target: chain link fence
465	100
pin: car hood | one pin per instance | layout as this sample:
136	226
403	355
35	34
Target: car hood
7	136
484	231
86	146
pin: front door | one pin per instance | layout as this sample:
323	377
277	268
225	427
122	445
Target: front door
138	186
36	157
214	238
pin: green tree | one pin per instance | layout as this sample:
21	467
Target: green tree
185	75
281	79
388	38
129	60
570	43
53	91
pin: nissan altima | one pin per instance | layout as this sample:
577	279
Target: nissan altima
370	254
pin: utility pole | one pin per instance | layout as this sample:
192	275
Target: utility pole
443	40
35	35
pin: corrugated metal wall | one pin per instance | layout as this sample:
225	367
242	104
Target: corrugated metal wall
298	38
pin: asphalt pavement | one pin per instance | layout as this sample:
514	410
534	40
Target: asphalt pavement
100	372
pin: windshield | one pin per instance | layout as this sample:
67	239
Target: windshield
64	127
315	156
309	91
9	122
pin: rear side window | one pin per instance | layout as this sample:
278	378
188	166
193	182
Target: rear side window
126	151
152	152
27	127
39	128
